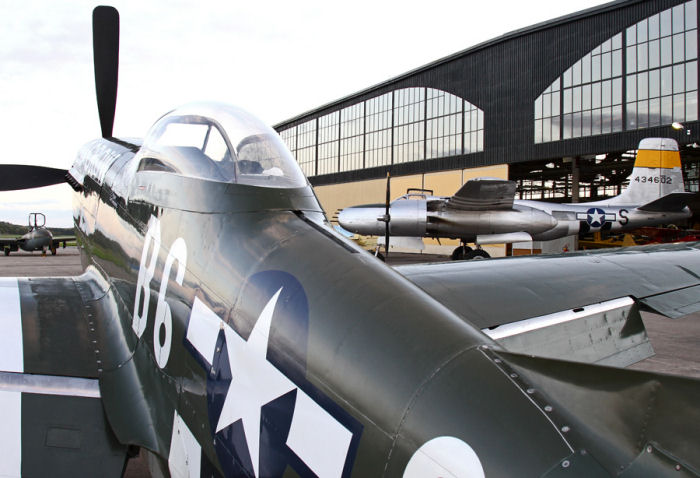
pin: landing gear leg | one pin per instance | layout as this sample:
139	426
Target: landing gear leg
378	254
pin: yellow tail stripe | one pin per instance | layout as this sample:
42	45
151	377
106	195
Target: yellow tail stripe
653	158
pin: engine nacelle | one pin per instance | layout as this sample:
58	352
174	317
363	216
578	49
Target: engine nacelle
408	218
468	224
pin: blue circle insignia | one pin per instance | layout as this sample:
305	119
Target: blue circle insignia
595	217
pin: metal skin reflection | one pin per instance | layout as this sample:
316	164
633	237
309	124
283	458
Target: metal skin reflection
349	352
332	356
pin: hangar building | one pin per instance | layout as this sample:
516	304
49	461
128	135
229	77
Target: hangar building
556	107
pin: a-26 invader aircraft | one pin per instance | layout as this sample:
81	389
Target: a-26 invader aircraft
484	210
224	329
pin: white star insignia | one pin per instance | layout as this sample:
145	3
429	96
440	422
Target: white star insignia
255	381
597	217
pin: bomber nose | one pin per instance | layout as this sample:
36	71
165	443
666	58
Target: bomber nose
361	219
344	216
352	217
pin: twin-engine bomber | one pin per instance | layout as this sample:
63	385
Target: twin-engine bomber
223	328
37	238
485	211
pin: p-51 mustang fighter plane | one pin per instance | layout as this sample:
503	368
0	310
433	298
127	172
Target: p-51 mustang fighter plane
484	210
38	238
224	329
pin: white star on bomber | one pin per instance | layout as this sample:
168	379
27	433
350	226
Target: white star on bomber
597	217
255	381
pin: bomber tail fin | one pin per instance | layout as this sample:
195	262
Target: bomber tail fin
657	173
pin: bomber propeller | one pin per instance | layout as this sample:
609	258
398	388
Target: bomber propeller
386	218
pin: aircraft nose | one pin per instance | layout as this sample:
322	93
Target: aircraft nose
361	219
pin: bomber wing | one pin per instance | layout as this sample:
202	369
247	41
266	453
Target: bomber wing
482	194
50	401
533	303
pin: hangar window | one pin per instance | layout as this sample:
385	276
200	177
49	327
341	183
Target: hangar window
328	135
409	125
305	151
378	130
644	76
473	128
446	115
289	136
662	68
404	125
352	131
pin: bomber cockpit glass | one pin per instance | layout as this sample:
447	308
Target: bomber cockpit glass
220	143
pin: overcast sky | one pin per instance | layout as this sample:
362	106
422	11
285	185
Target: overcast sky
276	59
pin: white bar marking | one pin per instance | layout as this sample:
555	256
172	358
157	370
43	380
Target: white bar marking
317	438
11	434
49	385
185	452
11	345
203	330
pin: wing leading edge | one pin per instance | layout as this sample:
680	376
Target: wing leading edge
580	306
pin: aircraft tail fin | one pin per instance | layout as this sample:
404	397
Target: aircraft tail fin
657	173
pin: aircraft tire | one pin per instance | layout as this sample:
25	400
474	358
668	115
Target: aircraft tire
477	254
460	253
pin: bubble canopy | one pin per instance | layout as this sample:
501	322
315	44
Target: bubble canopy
220	142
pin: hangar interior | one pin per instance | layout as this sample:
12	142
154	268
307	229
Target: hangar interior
558	107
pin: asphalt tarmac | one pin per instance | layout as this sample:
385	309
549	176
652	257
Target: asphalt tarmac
675	341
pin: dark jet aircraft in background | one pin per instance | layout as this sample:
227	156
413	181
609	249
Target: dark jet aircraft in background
224	329
38	238
484	210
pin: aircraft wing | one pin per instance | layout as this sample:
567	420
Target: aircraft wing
536	300
50	401
482	194
57	241
7	241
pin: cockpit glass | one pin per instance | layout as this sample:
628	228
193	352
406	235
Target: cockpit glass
220	143
264	161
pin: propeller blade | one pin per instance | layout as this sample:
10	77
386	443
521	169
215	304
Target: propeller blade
386	213
20	176
105	48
